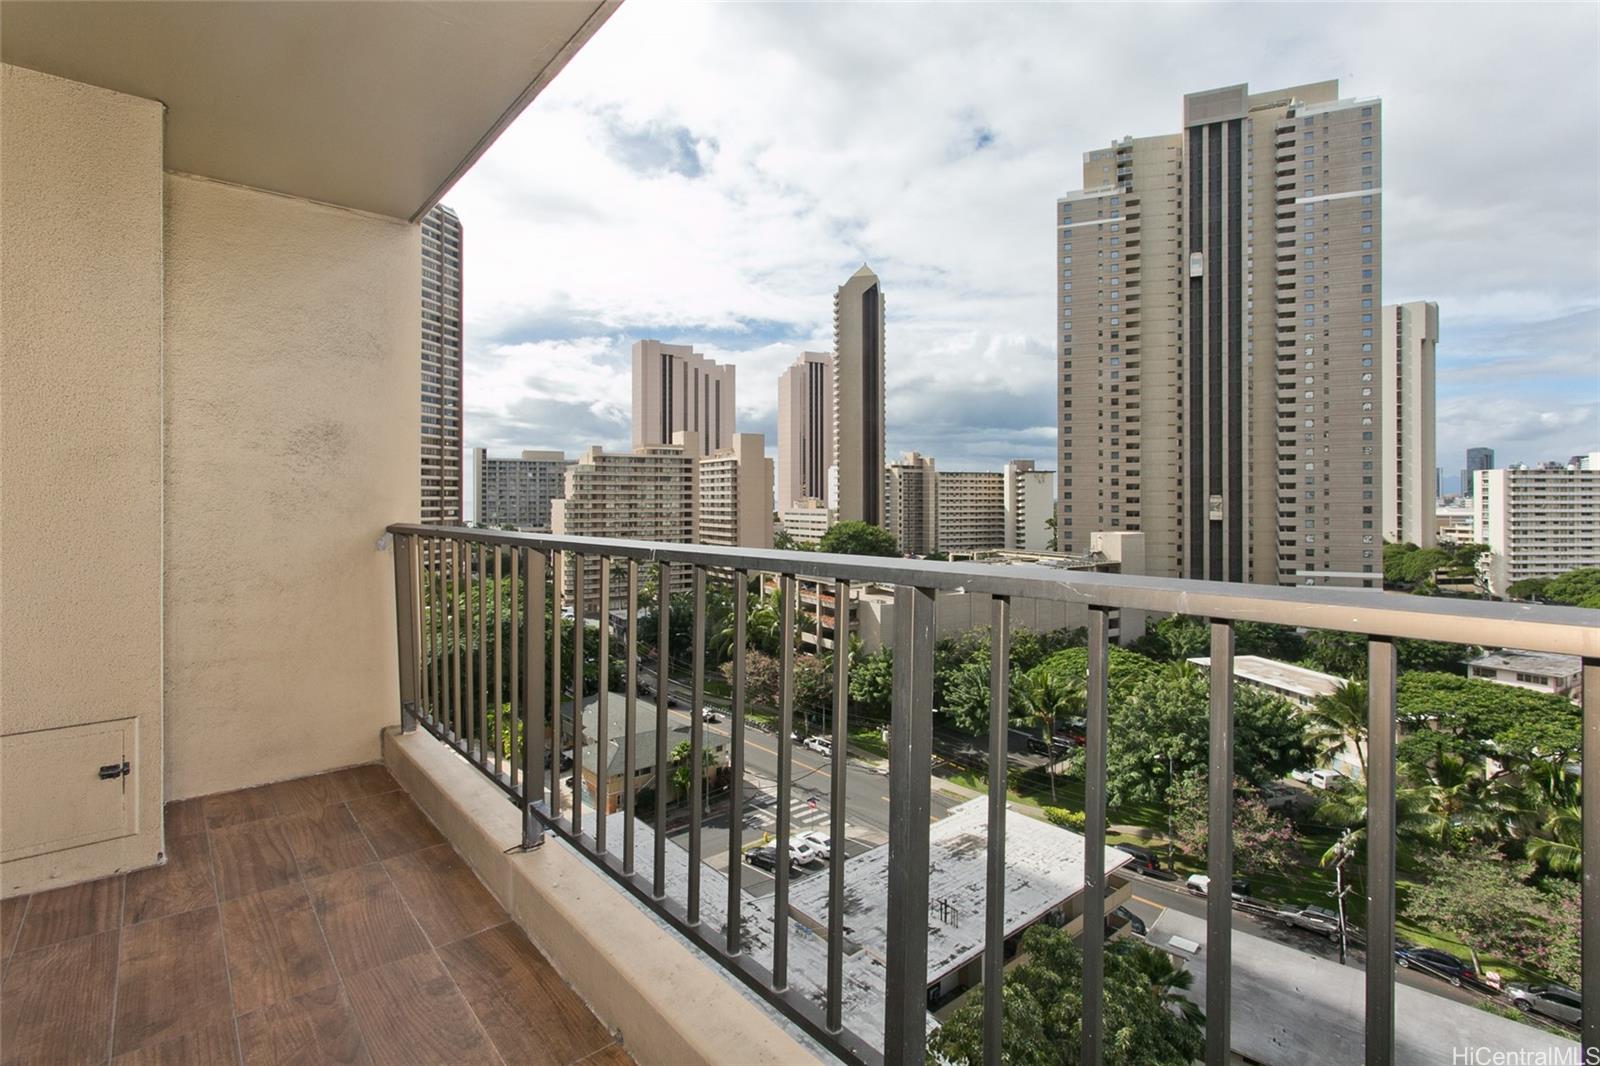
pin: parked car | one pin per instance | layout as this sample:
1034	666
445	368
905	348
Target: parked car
820	744
1315	919
1144	859
1200	884
765	857
823	846
1439	963
1135	922
1553	1001
1059	745
1327	779
707	714
803	853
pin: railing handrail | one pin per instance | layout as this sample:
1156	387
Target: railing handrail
1492	623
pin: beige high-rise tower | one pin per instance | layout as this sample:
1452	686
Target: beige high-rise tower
858	398
1410	335
441	368
911	503
1219	291
805	429
678	390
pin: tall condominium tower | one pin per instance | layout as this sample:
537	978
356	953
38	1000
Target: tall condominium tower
441	367
911	503
1410	334
735	495
971	509
858	399
678	390
517	492
1236	441
1537	521
805	429
1477	459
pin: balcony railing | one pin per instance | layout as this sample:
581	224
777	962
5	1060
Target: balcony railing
457	689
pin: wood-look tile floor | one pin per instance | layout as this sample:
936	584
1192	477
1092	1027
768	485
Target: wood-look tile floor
322	920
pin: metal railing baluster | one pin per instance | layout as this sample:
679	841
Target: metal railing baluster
518	731
1094	832
910	792
787	591
484	734
630	719
836	801
533	707
495	678
658	870
697	742
994	924
455	642
580	593
1589	966
405	616
602	714
735	931
436	624
1219	851
558	576
1383	667
469	690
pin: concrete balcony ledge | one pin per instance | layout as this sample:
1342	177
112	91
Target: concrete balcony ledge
670	1004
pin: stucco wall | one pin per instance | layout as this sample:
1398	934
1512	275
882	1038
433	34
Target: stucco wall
292	440
80	440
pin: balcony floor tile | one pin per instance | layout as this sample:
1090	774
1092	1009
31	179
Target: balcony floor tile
291	923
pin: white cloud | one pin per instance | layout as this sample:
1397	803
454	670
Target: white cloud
709	173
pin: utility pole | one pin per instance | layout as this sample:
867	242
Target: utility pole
1345	849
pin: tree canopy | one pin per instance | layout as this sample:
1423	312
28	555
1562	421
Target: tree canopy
1147	1019
1491	906
858	538
1484	718
1575	588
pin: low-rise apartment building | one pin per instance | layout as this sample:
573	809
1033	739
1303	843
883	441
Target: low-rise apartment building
807	520
1559	675
1537	521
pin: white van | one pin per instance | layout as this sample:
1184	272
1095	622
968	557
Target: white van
1326	779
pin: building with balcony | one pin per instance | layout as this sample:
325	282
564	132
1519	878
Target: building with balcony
678	390
735	494
911	503
1410	478
970	511
517	492
1241	437
1537	521
1030	506
805	429
807	520
442	402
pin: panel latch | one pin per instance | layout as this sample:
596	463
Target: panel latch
112	771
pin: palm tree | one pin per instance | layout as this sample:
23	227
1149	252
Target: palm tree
1415	822
1544	806
1339	720
1168	979
1043	696
1457	795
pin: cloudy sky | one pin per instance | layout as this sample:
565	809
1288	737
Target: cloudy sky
709	174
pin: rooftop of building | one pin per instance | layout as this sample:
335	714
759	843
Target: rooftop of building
1287	676
1529	662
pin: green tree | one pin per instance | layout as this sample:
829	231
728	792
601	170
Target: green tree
1408	568
1148	1021
1345	654
1489	904
1485	718
872	683
1263	842
784	542
1165	723
680	760
1339	719
1175	638
1575	588
1046	697
858	538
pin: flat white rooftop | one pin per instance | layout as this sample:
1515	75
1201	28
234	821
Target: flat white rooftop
1280	675
1530	662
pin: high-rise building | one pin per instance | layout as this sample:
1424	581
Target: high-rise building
911	503
1030	504
517	492
1477	459
735	495
650	493
805	429
1537	521
441	367
858	399
1410	335
971	511
1236	441
678	390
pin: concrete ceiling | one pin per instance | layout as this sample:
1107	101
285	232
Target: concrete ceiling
374	106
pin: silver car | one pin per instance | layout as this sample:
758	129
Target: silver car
1553	1001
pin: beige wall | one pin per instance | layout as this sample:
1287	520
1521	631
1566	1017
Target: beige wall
292	405
80	456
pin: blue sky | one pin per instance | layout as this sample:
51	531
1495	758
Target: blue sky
708	174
